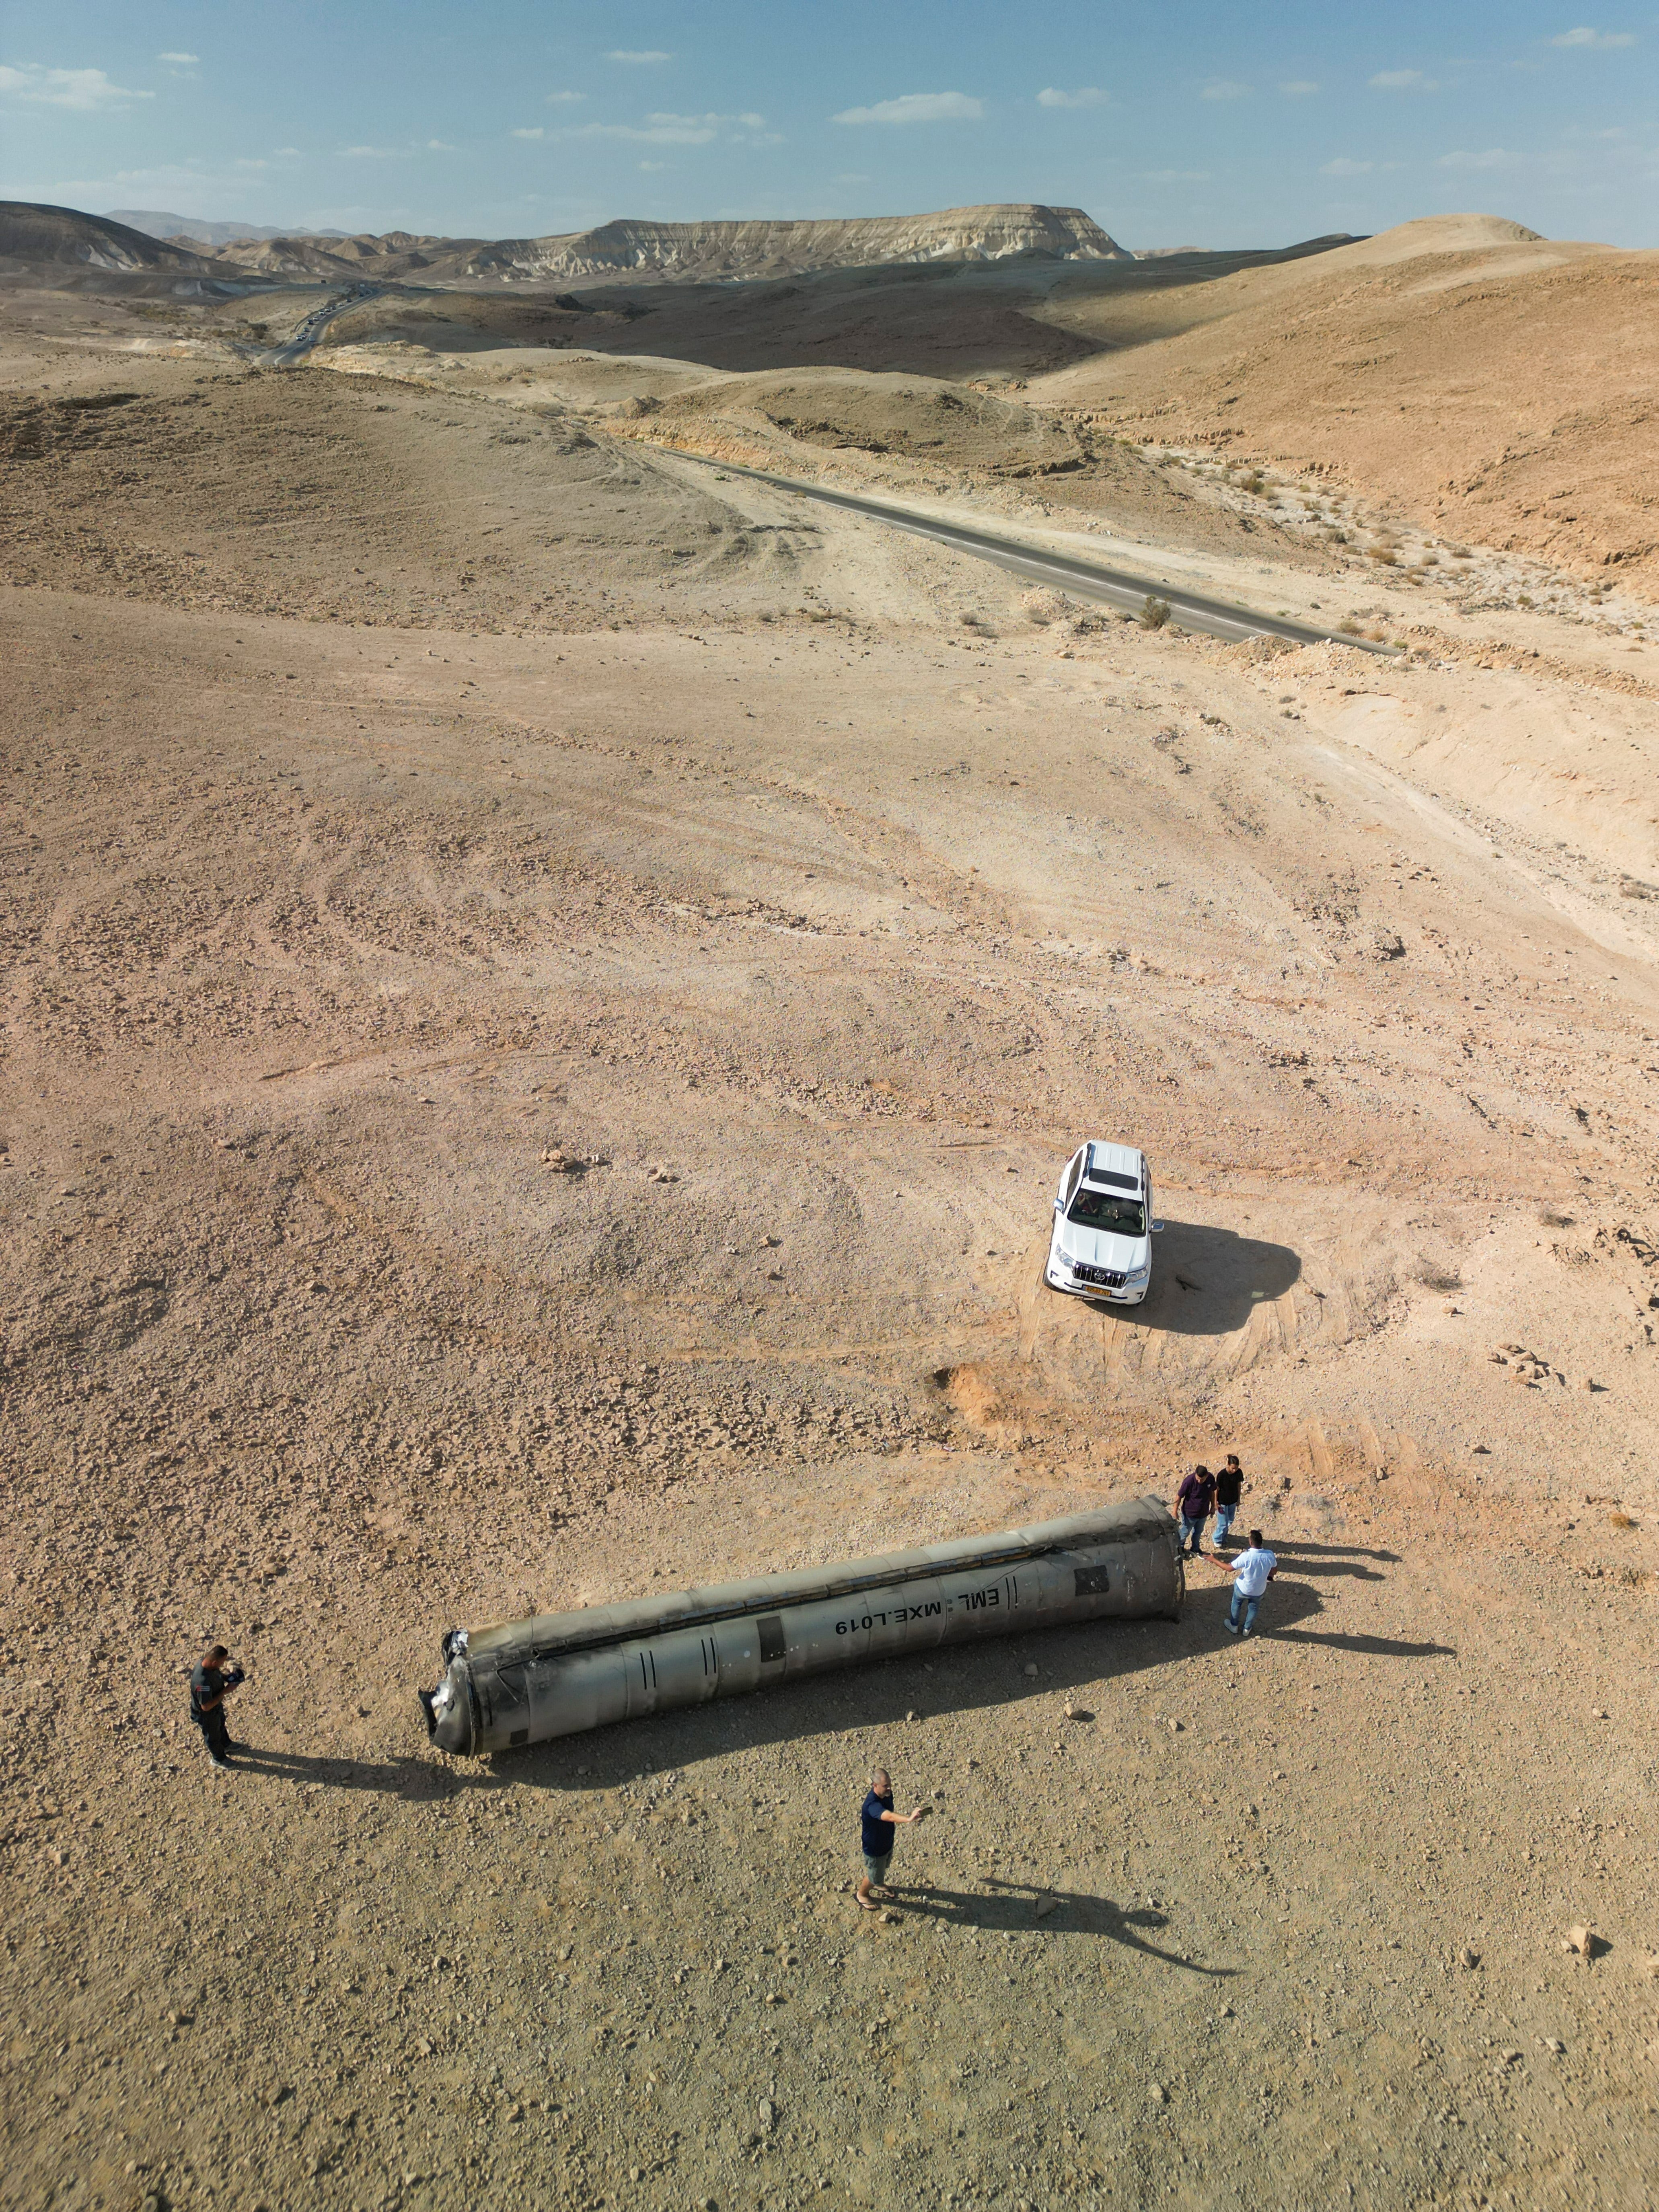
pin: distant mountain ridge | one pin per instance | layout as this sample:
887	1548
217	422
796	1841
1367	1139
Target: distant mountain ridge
155	222
629	246
38	242
633	246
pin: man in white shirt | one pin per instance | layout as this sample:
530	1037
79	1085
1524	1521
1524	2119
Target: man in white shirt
1252	1572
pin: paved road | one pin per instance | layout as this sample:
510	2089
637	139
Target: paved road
1085	580
296	347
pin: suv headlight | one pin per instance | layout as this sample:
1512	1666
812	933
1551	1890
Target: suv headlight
1139	1275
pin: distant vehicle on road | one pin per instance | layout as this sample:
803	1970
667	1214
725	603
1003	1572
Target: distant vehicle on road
1102	1245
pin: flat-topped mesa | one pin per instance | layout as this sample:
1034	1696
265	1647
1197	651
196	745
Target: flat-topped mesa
768	248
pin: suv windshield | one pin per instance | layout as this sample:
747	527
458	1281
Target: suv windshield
1104	1209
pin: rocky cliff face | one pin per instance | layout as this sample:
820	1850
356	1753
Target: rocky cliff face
713	250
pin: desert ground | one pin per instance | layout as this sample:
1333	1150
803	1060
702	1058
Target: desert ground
547	989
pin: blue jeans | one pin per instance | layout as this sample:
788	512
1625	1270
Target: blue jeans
1251	1606
1224	1521
1195	1529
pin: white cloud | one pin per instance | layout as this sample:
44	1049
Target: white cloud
1223	88
667	129
536	132
369	153
1495	157
1174	176
180	61
1342	167
564	99
440	146
84	89
1584	36
1299	88
917	107
653	169
1402	81
647	59
1086	95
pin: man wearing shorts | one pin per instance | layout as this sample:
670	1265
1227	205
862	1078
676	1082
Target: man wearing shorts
879	1821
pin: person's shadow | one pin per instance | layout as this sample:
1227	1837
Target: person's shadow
1026	1908
409	1776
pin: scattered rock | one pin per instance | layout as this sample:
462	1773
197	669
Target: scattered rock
1030	1672
1079	1713
1044	1906
1160	2094
1552	2043
559	1163
1177	1727
1468	1957
1583	1942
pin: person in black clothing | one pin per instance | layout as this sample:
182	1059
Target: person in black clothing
1229	1488
210	1680
879	1819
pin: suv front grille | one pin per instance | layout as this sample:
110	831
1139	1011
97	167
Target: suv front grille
1107	1279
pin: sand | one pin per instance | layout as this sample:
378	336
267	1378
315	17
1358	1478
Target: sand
1460	374
406	785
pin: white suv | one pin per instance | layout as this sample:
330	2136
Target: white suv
1101	1246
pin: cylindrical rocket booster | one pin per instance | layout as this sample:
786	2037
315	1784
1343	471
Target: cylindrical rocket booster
524	1681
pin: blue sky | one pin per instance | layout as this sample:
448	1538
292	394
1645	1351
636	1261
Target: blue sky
1172	123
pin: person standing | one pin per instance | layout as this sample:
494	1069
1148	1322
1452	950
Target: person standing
210	1681
1230	1485
879	1819
1252	1572
1193	1502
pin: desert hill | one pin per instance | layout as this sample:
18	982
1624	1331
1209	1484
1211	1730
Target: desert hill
683	251
1467	373
787	248
35	239
947	318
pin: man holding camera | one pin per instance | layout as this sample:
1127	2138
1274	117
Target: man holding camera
209	1681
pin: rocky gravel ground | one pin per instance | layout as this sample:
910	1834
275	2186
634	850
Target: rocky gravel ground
530	1115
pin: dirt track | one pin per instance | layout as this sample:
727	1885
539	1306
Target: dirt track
814	924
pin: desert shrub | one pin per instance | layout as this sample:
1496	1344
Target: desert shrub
1384	555
1154	614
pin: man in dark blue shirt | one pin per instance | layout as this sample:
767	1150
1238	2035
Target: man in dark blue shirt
879	1819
